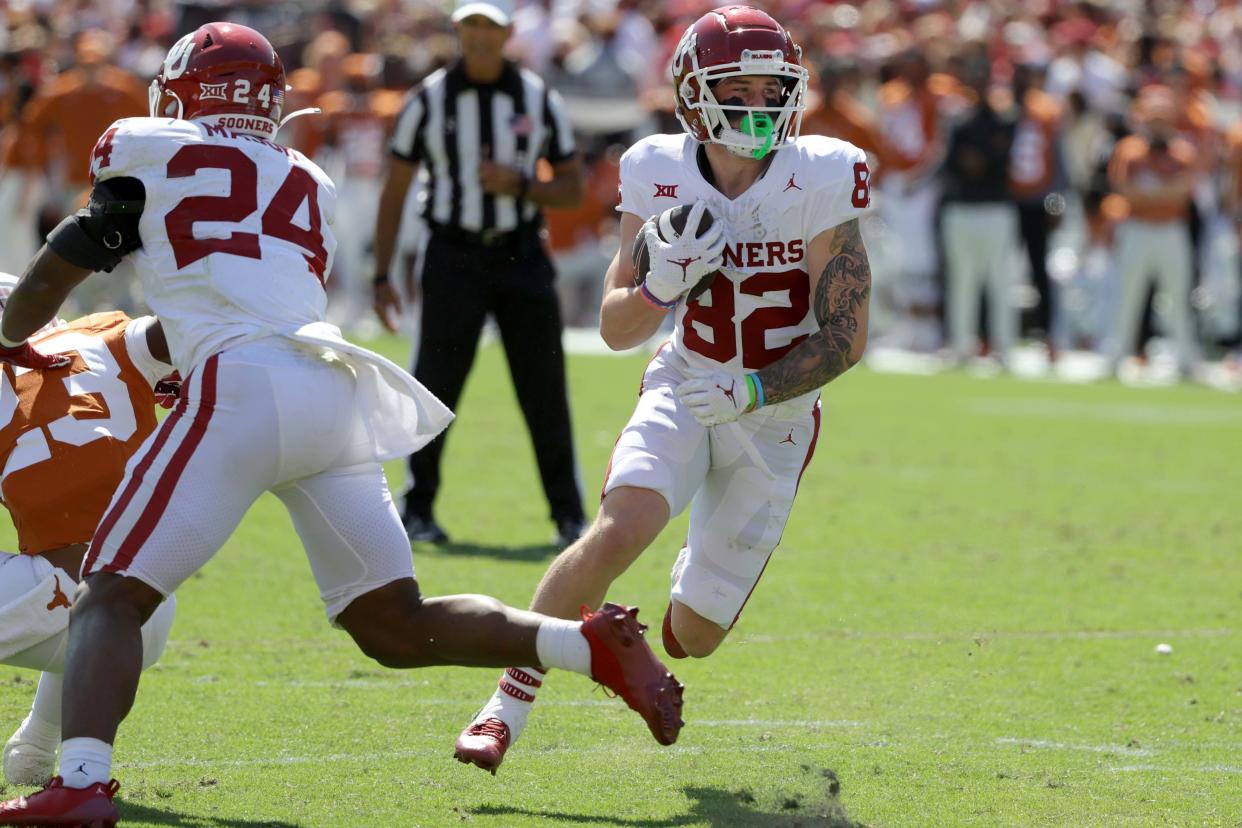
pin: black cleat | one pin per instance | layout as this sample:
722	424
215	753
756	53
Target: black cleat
424	530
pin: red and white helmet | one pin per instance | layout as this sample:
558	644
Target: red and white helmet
225	73
728	42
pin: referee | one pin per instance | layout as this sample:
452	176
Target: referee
476	130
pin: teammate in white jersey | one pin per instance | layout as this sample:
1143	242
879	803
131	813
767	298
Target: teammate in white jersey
232	236
728	409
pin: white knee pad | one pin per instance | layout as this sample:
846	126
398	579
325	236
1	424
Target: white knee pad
155	631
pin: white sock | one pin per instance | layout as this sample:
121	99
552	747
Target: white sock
46	708
562	645
85	762
513	699
521	684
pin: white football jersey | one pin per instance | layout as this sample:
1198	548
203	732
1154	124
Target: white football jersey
761	308
236	233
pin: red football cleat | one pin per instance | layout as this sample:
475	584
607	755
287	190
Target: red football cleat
484	744
622	661
57	805
671	645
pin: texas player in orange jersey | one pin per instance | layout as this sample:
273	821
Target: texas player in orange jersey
65	436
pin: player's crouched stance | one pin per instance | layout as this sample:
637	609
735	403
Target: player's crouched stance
728	410
232	236
79	402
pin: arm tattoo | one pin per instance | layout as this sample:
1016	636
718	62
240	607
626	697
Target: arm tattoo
840	301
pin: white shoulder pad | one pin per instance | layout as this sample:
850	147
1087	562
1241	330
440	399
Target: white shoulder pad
132	146
653	175
841	182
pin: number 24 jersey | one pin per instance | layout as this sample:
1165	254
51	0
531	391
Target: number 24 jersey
236	231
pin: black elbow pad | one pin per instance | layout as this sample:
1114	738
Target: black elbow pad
99	235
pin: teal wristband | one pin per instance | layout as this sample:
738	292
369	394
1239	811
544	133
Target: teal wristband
756	391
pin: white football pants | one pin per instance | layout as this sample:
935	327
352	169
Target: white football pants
737	510
265	416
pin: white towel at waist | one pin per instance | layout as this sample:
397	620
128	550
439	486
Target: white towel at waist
400	415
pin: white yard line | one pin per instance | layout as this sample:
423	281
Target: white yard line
991	635
443	752
1044	744
831	723
1180	769
440	752
1130	413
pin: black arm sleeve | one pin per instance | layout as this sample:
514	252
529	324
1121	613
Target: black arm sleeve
99	235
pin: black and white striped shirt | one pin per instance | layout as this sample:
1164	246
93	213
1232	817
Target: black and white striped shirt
449	123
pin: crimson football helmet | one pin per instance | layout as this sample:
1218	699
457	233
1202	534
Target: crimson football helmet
224	72
728	42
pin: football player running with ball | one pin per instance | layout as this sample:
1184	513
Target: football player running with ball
232	236
728	410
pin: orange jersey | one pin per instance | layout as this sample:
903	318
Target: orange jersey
1033	160
840	115
304	133
569	227
1134	167
71	114
1233	158
358	126
69	433
909	120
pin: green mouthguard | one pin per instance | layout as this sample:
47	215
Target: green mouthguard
758	125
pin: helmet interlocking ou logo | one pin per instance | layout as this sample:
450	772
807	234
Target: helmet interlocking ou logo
178	57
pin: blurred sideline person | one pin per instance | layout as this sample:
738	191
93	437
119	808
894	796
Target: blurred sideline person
1036	177
475	130
910	114
59	122
274	400
354	127
63	451
21	189
980	222
728	412
58	128
1155	171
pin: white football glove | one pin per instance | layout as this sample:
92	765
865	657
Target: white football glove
717	397
677	265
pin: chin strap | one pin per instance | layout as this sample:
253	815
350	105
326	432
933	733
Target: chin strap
310	110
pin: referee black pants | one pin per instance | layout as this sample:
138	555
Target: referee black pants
461	285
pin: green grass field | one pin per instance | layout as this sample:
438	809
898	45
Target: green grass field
959	627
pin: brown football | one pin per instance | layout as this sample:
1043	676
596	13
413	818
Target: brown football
642	263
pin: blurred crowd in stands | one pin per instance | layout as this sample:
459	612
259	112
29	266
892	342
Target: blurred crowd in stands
1067	174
